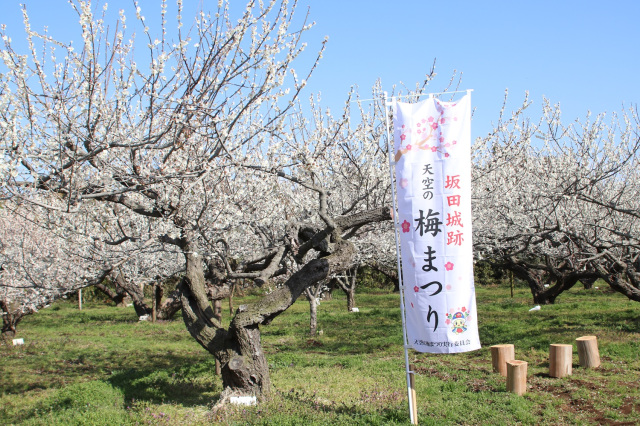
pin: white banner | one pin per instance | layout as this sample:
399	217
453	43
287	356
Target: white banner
433	175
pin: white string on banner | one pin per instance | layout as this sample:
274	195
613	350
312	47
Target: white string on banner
389	100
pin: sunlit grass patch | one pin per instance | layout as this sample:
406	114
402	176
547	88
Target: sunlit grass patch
102	366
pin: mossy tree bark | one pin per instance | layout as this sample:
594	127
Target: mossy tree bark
238	348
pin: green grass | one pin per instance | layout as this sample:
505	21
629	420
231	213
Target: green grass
101	366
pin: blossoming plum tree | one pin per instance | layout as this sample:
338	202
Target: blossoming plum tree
558	203
190	162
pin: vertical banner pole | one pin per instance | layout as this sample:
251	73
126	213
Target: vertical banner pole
430	172
414	412
410	391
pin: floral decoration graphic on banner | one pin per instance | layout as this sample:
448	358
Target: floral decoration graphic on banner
433	175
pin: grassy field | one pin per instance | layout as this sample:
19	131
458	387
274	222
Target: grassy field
101	366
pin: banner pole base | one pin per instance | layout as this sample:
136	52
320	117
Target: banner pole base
414	405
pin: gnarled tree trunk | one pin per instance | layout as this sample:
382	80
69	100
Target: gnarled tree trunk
10	318
622	279
348	284
536	274
533	278
118	296
243	363
588	282
313	316
238	348
244	367
172	304
313	294
164	310
389	272
136	293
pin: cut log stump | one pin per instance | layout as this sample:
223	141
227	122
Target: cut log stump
500	354
588	353
560	359
517	377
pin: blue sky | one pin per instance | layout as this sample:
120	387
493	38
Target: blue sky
583	54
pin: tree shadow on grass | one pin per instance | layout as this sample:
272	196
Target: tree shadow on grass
107	401
186	385
169	377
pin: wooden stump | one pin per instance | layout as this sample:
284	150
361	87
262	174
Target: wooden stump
560	359
500	354
517	377
588	351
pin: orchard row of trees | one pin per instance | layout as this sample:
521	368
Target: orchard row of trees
198	163
201	163
556	204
